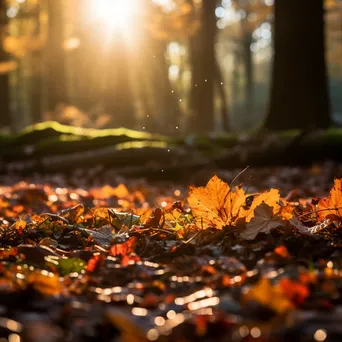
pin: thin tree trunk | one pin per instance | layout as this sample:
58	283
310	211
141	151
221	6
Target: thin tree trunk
299	93
249	72
5	118
167	102
118	97
223	99
36	81
56	66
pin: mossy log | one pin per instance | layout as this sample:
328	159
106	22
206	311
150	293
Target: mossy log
51	147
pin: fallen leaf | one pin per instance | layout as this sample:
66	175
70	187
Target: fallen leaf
95	263
282	251
269	295
103	236
46	283
123	248
216	205
154	219
69	265
309	230
73	214
20	225
270	197
331	207
294	290
263	221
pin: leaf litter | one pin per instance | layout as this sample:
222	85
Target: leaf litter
221	262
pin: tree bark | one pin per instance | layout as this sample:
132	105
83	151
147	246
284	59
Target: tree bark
56	66
202	58
224	108
118	97
249	72
299	92
36	76
5	118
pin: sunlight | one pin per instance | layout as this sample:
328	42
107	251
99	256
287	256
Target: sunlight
115	14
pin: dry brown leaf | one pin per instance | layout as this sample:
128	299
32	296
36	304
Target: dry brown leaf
216	205
263	221
331	207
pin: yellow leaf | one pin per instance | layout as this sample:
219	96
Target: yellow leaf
20	225
45	282
271	296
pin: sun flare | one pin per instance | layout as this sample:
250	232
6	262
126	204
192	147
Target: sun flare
115	14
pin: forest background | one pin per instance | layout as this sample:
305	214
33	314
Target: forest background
170	66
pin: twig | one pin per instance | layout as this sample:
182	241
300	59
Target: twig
238	175
193	237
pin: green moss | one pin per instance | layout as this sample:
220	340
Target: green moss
88	132
51	138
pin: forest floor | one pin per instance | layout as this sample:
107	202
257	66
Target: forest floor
89	255
84	261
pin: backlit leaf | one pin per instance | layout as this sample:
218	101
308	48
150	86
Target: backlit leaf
331	206
216	205
270	197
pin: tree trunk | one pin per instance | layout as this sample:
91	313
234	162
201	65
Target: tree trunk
56	66
5	118
249	72
167	102
36	76
224	108
118	97
299	92
202	58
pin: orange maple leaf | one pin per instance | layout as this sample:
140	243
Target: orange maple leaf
216	205
270	197
331	206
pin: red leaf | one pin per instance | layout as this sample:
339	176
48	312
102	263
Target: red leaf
95	262
124	248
